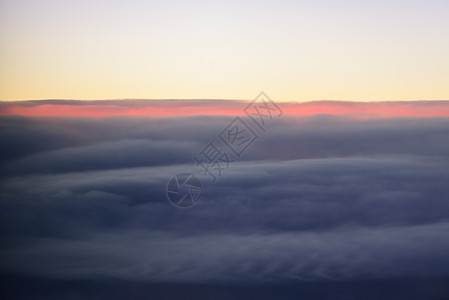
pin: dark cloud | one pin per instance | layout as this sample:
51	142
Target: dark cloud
317	199
52	145
21	136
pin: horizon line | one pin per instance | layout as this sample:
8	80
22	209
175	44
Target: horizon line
221	99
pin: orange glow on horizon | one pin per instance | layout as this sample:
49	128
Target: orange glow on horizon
50	110
167	109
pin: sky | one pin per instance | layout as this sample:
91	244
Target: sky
293	50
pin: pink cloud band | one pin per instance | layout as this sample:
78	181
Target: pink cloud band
164	108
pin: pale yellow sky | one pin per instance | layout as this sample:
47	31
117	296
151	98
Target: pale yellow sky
293	50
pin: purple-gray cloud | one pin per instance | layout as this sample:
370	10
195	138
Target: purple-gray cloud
314	199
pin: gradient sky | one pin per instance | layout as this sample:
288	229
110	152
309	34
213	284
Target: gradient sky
293	50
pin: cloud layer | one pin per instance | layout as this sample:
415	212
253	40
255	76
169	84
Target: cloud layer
317	198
